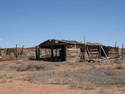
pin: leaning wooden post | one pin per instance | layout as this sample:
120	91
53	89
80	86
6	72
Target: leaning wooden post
104	52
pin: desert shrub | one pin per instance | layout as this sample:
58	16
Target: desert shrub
58	80
32	58
101	92
81	85
83	79
3	66
12	68
33	67
7	58
6	76
118	67
3	76
39	77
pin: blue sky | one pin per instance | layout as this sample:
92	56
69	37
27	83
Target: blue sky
29	22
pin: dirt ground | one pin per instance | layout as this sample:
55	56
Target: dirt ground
42	77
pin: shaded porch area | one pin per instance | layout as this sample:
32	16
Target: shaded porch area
51	53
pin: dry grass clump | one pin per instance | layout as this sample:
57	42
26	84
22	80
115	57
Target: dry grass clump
82	85
119	67
84	79
3	66
6	77
101	92
7	58
60	78
80	75
33	67
59	81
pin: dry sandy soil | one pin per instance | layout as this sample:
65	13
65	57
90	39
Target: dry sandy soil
41	77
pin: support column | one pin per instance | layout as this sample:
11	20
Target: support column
51	53
37	53
22	50
16	52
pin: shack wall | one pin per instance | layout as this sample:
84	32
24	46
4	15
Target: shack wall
93	52
72	54
113	52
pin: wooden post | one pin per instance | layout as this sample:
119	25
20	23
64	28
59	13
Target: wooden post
36	53
51	53
118	52
22	50
122	51
7	52
16	52
87	50
104	52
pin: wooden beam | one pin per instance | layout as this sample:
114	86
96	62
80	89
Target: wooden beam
22	50
16	52
37	53
104	52
122	51
52	53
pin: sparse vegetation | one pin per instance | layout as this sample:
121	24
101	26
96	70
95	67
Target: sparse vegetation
33	67
80	75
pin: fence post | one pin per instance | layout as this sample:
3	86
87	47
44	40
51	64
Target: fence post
16	52
122	51
22	50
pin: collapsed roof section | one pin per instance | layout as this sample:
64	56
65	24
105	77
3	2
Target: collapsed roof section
57	43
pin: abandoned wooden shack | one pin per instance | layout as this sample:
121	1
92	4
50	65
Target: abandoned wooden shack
72	51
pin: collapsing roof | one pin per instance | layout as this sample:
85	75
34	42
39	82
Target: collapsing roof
54	42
